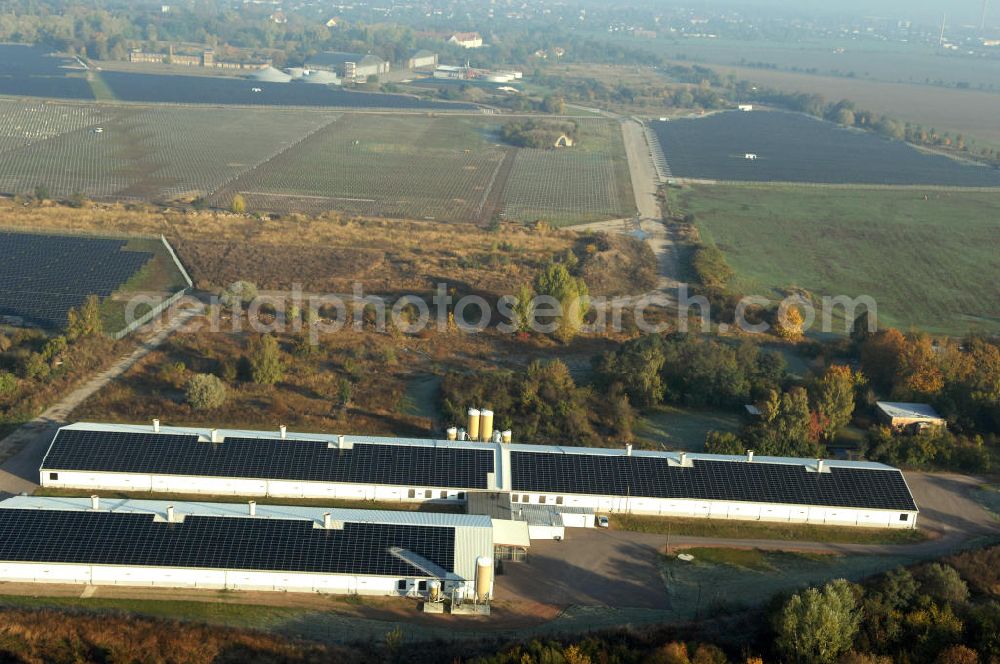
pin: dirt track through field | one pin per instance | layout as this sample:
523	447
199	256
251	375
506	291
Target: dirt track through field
23	450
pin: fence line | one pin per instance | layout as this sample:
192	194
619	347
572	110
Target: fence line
153	313
177	261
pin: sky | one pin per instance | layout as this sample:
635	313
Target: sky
959	11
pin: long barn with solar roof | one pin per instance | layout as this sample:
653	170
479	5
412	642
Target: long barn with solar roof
566	481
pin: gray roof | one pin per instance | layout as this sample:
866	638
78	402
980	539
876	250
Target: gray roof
271	75
896	409
332	59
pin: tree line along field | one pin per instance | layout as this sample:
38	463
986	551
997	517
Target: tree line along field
928	258
447	167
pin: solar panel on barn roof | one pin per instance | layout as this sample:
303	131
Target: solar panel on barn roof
269	458
110	538
757	482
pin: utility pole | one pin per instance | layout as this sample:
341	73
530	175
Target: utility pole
982	19
944	22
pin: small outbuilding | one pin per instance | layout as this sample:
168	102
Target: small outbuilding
908	416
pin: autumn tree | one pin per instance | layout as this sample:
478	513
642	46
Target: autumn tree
919	374
788	323
880	355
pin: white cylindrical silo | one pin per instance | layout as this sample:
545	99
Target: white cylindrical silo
474	423
452	433
484	578
507	435
434	590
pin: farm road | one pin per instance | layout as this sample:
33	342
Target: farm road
649	224
23	450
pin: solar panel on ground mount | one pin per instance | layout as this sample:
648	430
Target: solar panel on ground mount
759	482
269	458
109	538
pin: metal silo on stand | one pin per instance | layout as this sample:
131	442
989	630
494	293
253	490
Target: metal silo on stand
485	425
474	416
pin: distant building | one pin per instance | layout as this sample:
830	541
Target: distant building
908	416
644	34
451	73
746	107
466	39
422	59
563	141
351	67
204	59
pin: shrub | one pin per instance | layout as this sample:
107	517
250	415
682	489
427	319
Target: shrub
239	204
238	294
35	367
8	383
265	361
205	392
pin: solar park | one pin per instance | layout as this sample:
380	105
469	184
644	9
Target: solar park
43	276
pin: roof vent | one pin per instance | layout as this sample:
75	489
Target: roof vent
283	430
821	466
156	426
628	449
749	456
170	514
253	507
95	502
215	435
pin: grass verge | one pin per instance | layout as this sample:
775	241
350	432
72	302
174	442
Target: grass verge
788	532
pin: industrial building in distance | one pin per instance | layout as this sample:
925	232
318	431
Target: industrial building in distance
556	483
96	542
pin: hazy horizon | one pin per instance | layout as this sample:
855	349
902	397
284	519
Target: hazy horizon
958	11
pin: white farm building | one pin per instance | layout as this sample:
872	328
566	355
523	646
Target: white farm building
571	479
219	546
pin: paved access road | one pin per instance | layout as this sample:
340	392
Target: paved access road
597	567
24	449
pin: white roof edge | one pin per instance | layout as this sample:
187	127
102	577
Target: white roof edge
241	510
292	436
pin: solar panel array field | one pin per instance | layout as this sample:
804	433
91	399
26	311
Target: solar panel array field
757	482
208	542
44	275
269	458
31	71
178	89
